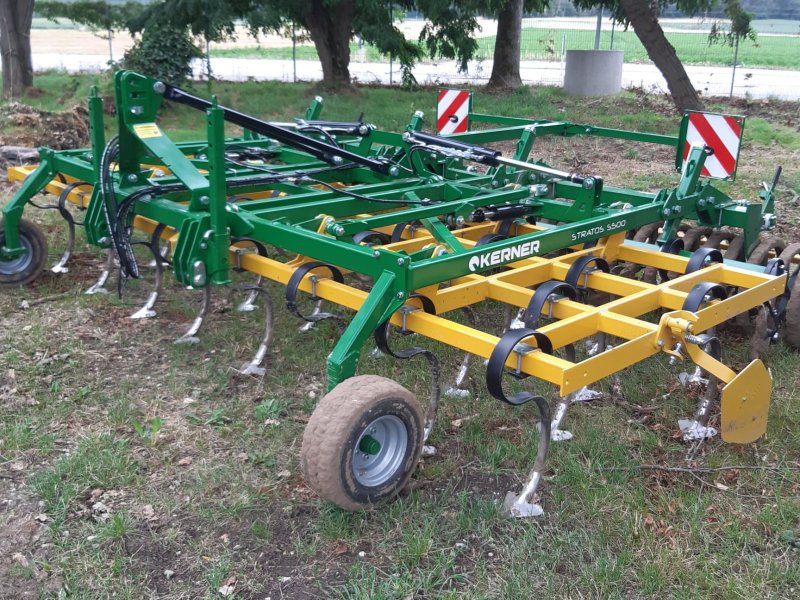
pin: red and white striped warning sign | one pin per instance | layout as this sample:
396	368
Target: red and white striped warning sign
723	134
452	111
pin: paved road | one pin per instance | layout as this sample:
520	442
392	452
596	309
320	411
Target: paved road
757	83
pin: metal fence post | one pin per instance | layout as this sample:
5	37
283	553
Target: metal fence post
599	28
613	27
294	55
735	60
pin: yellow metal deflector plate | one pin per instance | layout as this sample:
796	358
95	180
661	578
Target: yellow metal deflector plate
745	404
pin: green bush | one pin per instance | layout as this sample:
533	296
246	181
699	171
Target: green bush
163	52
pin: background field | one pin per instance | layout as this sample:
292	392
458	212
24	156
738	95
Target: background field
134	468
551	37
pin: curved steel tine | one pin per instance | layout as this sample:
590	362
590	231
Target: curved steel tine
457	390
61	265
160	251
523	505
253	367
249	303
433	405
309	325
147	311
98	287
190	337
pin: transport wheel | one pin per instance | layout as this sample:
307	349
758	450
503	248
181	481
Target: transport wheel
23	269
363	442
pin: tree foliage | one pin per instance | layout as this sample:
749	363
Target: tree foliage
740	19
91	13
163	52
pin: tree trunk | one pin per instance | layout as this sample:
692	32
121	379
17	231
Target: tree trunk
645	23
505	69
331	27
15	46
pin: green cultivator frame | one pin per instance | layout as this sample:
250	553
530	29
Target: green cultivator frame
409	229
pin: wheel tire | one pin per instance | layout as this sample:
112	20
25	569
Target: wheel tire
334	434
22	270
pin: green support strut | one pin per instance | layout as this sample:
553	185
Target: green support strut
12	212
381	303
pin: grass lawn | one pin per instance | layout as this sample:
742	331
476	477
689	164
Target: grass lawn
134	468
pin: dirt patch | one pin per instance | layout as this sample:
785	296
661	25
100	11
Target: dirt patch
32	127
24	542
783	112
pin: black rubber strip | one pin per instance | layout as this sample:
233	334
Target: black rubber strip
382	332
397	232
579	266
673	246
491	237
155	246
367	235
497	366
382	341
294	283
505	227
698	293
62	200
701	257
533	312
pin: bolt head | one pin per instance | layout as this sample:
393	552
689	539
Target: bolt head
400	295
401	261
159	87
394	171
133	178
376	254
204	200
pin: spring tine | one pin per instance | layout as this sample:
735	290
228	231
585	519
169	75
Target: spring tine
99	286
309	325
249	303
253	367
457	390
148	310
190	337
523	506
61	265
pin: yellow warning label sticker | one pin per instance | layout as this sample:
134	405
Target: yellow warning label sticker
147	130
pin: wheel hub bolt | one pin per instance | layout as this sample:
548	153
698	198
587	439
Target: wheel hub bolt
369	445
